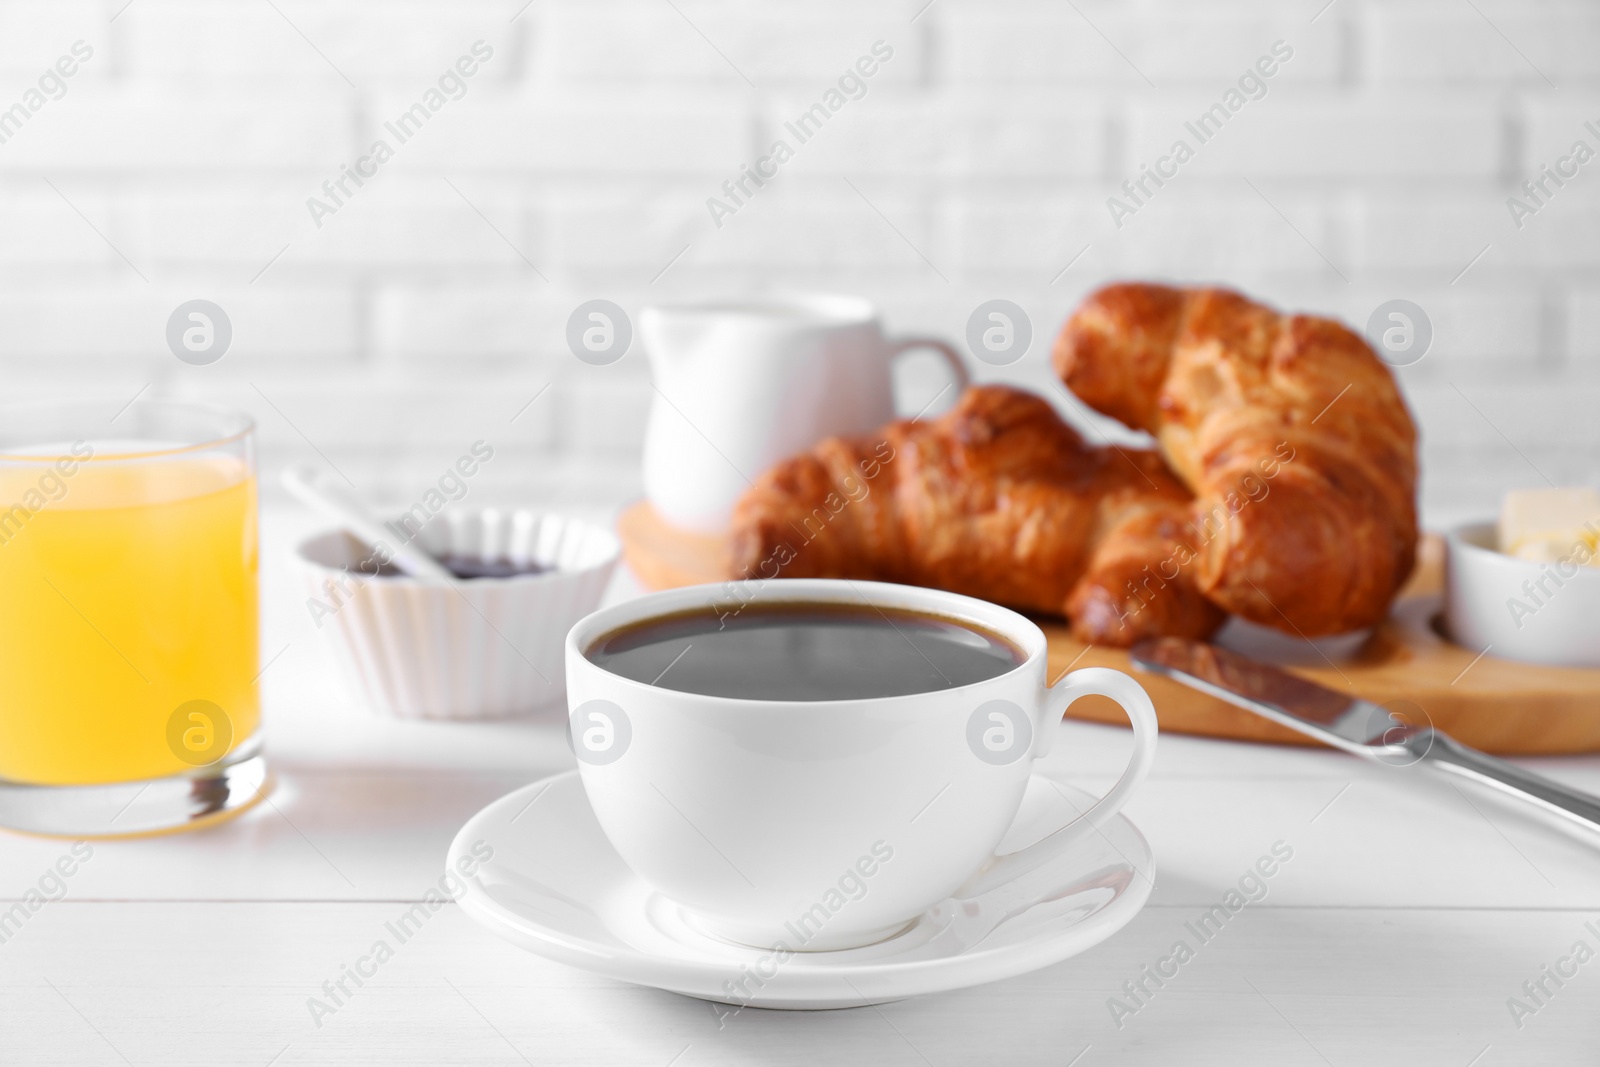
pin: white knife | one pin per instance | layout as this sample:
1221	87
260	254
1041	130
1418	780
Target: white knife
1357	726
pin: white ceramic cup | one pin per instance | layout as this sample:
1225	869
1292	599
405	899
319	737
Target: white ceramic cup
817	825
740	385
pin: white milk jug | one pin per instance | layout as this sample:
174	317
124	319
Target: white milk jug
742	385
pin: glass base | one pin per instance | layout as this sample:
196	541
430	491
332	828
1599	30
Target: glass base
129	809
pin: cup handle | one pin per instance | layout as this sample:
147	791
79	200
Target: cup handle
958	367
1135	702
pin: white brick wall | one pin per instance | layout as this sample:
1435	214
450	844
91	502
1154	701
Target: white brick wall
430	309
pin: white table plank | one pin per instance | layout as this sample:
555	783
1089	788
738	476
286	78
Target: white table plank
1373	837
225	984
1407	916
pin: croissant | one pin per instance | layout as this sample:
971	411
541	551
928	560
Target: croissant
1288	429
997	498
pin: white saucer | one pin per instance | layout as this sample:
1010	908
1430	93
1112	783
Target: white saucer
555	886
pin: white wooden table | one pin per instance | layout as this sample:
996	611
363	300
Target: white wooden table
1408	916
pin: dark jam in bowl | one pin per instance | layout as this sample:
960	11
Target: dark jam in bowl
466	567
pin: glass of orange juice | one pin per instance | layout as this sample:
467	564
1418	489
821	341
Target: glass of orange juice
128	617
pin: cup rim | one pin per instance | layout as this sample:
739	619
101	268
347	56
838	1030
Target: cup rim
241	426
827	310
1012	625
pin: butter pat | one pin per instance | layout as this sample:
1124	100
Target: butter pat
1551	525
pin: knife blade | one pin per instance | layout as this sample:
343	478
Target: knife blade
1352	723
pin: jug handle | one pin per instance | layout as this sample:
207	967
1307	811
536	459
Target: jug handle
958	368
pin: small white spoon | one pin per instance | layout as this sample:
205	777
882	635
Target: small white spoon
344	506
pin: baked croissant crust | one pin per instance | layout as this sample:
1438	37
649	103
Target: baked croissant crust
997	498
1290	432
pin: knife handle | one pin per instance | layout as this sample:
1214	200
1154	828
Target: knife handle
1447	754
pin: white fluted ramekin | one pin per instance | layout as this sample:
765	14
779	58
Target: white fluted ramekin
481	648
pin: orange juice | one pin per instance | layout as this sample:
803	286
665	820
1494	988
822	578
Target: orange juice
128	593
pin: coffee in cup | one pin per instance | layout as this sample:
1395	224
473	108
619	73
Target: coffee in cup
805	650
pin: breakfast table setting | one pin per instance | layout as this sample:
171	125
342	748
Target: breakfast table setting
867	733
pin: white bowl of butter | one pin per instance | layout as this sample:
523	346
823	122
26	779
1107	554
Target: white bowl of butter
1528	587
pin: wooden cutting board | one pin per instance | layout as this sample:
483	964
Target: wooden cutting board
1497	705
